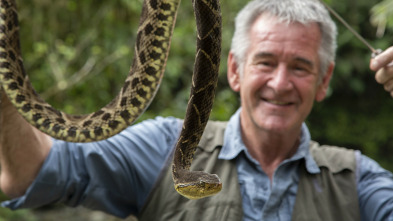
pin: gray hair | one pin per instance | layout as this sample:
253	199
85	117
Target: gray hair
287	11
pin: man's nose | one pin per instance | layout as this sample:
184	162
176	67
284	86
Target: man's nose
281	80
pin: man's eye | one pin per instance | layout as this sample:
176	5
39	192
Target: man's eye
301	70
265	63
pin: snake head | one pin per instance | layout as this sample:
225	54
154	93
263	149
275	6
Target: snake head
198	184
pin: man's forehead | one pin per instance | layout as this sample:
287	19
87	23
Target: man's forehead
270	21
269	28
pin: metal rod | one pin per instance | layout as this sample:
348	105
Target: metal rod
357	35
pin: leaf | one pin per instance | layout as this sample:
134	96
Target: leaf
382	16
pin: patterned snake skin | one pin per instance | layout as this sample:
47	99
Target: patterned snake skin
151	52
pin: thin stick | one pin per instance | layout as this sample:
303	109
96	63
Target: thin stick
357	35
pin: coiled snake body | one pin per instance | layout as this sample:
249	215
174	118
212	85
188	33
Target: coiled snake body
151	52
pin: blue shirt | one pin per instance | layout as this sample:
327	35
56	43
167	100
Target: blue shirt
116	175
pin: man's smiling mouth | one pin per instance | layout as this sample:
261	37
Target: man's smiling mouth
280	103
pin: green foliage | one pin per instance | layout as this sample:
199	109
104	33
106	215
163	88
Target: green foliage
382	16
357	113
78	54
20	215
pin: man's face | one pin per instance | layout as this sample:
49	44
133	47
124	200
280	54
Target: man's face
280	75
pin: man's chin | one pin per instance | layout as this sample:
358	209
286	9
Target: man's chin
276	125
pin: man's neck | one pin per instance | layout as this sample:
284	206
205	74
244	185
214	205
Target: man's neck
270	149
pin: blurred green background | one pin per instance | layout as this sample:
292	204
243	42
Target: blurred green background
79	52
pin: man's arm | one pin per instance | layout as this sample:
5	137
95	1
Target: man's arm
23	150
375	190
375	186
121	169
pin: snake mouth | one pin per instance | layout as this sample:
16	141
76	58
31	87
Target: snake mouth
198	191
198	184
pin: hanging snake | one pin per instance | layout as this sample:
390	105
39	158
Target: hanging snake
151	51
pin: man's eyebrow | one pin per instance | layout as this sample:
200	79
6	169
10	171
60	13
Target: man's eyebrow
305	61
263	55
298	59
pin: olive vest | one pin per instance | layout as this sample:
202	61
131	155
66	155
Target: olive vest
329	195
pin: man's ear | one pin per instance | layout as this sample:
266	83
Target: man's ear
324	85
233	74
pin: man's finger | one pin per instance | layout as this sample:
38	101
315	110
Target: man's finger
382	59
383	75
388	85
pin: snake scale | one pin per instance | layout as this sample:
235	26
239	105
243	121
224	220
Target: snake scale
151	51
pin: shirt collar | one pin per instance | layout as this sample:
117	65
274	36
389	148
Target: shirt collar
233	145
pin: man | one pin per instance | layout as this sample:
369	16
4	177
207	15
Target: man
282	59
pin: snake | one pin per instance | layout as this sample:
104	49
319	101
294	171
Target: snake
152	45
